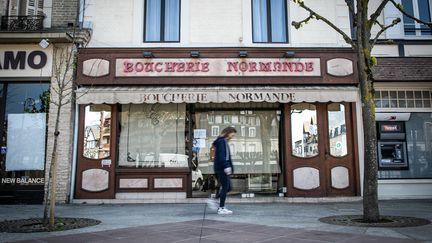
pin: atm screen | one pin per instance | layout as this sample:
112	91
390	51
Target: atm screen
392	155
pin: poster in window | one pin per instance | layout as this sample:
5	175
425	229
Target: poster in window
24	153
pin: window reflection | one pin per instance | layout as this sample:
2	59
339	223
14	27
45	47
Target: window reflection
152	136
304	130
254	151
97	131
24	116
337	130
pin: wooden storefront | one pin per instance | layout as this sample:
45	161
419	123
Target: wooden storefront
320	160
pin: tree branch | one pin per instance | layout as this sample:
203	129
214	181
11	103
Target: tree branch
298	25
400	8
313	14
383	29
379	24
377	13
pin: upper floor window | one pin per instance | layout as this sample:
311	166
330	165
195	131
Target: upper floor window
215	131
269	21
420	9
162	21
252	132
23	15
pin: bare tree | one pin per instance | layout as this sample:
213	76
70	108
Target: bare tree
362	44
62	94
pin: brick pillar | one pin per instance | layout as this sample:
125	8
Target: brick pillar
65	139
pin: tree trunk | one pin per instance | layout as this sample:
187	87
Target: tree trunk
51	187
364	64
370	183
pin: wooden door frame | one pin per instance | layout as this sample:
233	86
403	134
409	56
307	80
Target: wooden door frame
350	161
84	163
346	161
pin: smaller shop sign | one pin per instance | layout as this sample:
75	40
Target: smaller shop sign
230	97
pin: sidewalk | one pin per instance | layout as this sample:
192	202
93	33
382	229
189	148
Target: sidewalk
273	222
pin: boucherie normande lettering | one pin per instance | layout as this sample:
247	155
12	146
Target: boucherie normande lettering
244	66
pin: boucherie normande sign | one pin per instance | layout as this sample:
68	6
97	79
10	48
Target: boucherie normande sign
218	67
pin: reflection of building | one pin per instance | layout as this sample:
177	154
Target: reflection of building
105	133
91	140
248	142
337	140
308	146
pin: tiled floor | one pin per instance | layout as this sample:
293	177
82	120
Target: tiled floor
208	231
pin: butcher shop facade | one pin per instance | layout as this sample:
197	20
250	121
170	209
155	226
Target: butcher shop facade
147	118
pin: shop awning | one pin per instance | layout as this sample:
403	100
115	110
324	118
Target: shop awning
215	94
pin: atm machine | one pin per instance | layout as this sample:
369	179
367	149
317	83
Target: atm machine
392	152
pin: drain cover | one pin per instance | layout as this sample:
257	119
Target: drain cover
386	221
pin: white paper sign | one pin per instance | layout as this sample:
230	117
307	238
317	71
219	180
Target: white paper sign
200	143
25	142
199	133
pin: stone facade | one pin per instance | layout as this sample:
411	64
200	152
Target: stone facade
64	13
65	139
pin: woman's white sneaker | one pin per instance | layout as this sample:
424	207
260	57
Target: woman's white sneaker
224	211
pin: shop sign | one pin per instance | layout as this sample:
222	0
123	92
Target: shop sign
211	67
226	96
220	94
25	61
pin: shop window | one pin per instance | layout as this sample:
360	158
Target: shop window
215	131
152	136
24	117
419	149
269	21
403	99
420	9
255	158
337	130
304	130
97	127
162	21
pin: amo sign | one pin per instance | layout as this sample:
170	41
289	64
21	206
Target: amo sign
25	61
34	59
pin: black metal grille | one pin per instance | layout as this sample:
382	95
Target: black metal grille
16	23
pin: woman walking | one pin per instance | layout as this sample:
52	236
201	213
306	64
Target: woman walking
223	168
